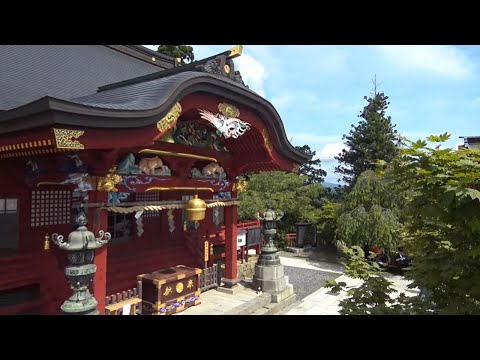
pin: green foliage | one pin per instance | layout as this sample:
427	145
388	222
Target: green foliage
373	296
327	221
312	168
372	139
183	52
442	234
285	192
370	214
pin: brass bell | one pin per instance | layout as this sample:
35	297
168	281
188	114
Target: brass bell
196	209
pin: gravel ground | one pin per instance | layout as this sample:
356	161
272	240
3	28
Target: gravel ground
306	281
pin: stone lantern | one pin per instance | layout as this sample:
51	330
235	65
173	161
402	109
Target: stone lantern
81	245
269	272
269	220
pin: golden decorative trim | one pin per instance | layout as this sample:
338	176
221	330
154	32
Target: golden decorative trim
170	119
181	276
236	51
296	168
266	140
108	182
190	284
191	156
21	146
198	271
180	298
180	188
239	186
227	68
167	291
179	288
159	282
229	110
31	152
63	138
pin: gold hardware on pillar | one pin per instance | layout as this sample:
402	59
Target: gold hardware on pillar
196	209
46	242
211	249
206	251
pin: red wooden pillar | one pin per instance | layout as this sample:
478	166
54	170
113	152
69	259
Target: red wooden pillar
230	278
100	277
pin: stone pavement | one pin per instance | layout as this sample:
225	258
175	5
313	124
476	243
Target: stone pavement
218	303
323	302
320	302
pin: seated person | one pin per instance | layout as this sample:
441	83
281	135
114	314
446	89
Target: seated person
382	258
402	260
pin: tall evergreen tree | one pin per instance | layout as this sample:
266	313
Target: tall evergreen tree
312	168
182	52
374	138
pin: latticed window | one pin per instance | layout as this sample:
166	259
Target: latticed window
50	207
149	197
8	226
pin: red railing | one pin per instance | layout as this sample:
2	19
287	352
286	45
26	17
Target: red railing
248	225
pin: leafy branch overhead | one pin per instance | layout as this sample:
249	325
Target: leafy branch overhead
182	52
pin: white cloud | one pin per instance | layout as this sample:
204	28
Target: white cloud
253	73
442	60
283	100
329	151
328	59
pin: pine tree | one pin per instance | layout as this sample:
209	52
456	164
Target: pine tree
312	168
374	138
182	52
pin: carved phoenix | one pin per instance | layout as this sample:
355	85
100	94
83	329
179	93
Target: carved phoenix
228	127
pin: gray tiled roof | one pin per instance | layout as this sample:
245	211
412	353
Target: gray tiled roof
147	95
30	72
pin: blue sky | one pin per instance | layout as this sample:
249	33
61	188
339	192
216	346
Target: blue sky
318	90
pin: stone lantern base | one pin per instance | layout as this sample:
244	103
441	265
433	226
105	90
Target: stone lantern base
269	272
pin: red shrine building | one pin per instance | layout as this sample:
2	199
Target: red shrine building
128	136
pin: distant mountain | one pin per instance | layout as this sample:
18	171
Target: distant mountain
330	185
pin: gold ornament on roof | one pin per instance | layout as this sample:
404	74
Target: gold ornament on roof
66	139
266	140
228	110
169	120
108	182
240	186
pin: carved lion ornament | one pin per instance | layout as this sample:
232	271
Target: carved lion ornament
228	127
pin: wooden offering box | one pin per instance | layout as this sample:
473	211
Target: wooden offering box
169	291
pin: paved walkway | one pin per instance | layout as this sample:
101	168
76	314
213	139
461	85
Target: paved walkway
218	303
323	302
320	302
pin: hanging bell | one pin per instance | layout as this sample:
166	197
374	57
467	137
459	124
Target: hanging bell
196	209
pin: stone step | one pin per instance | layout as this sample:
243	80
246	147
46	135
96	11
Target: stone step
252	305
